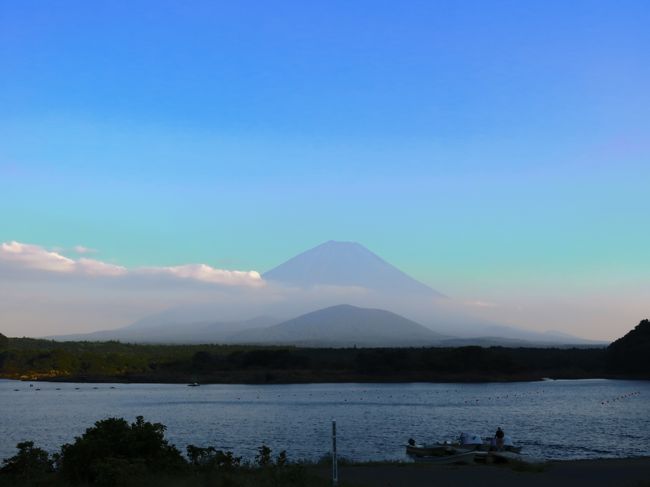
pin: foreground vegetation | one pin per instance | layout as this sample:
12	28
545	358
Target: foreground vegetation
32	359
116	453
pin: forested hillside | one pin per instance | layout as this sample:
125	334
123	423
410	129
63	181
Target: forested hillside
30	359
631	353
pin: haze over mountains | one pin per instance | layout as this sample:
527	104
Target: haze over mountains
336	294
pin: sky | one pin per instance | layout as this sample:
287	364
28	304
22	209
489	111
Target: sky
497	151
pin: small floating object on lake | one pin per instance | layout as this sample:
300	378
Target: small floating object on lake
194	384
38	389
76	388
31	385
95	387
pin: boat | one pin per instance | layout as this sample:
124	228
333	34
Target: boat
467	442
454	458
194	384
432	450
489	444
473	441
444	449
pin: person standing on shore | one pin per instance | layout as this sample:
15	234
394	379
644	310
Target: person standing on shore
499	436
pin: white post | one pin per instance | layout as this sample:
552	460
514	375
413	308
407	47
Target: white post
335	469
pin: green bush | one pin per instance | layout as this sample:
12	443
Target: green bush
30	463
113	451
212	459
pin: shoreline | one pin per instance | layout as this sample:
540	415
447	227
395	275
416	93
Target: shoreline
327	379
609	472
629	472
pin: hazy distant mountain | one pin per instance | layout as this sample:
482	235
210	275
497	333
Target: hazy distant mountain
488	334
346	264
497	341
155	331
343	325
196	313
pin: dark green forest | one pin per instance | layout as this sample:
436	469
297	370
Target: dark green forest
34	359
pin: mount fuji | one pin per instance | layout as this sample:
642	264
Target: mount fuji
346	264
359	297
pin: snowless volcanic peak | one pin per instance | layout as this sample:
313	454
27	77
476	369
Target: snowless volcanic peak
344	325
345	264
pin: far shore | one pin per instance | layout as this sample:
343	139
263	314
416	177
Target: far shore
279	377
257	379
43	360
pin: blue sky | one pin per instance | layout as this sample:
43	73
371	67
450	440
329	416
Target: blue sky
483	147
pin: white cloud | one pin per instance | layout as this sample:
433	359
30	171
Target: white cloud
98	268
206	273
35	257
80	249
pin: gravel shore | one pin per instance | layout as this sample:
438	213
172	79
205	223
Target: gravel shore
632	472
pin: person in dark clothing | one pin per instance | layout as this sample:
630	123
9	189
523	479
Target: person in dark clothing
499	435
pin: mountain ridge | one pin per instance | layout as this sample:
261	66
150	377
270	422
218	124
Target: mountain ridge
343	325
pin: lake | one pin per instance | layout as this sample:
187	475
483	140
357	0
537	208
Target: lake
551	419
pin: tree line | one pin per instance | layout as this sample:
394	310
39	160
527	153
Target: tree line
113	361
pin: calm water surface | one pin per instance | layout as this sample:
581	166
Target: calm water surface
551	419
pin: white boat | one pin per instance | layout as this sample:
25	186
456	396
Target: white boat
470	439
454	458
467	442
433	450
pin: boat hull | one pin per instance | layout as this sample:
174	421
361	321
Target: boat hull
456	458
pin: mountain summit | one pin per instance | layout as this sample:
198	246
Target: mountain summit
346	264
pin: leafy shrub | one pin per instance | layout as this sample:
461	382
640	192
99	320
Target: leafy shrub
263	457
29	463
112	451
212	459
